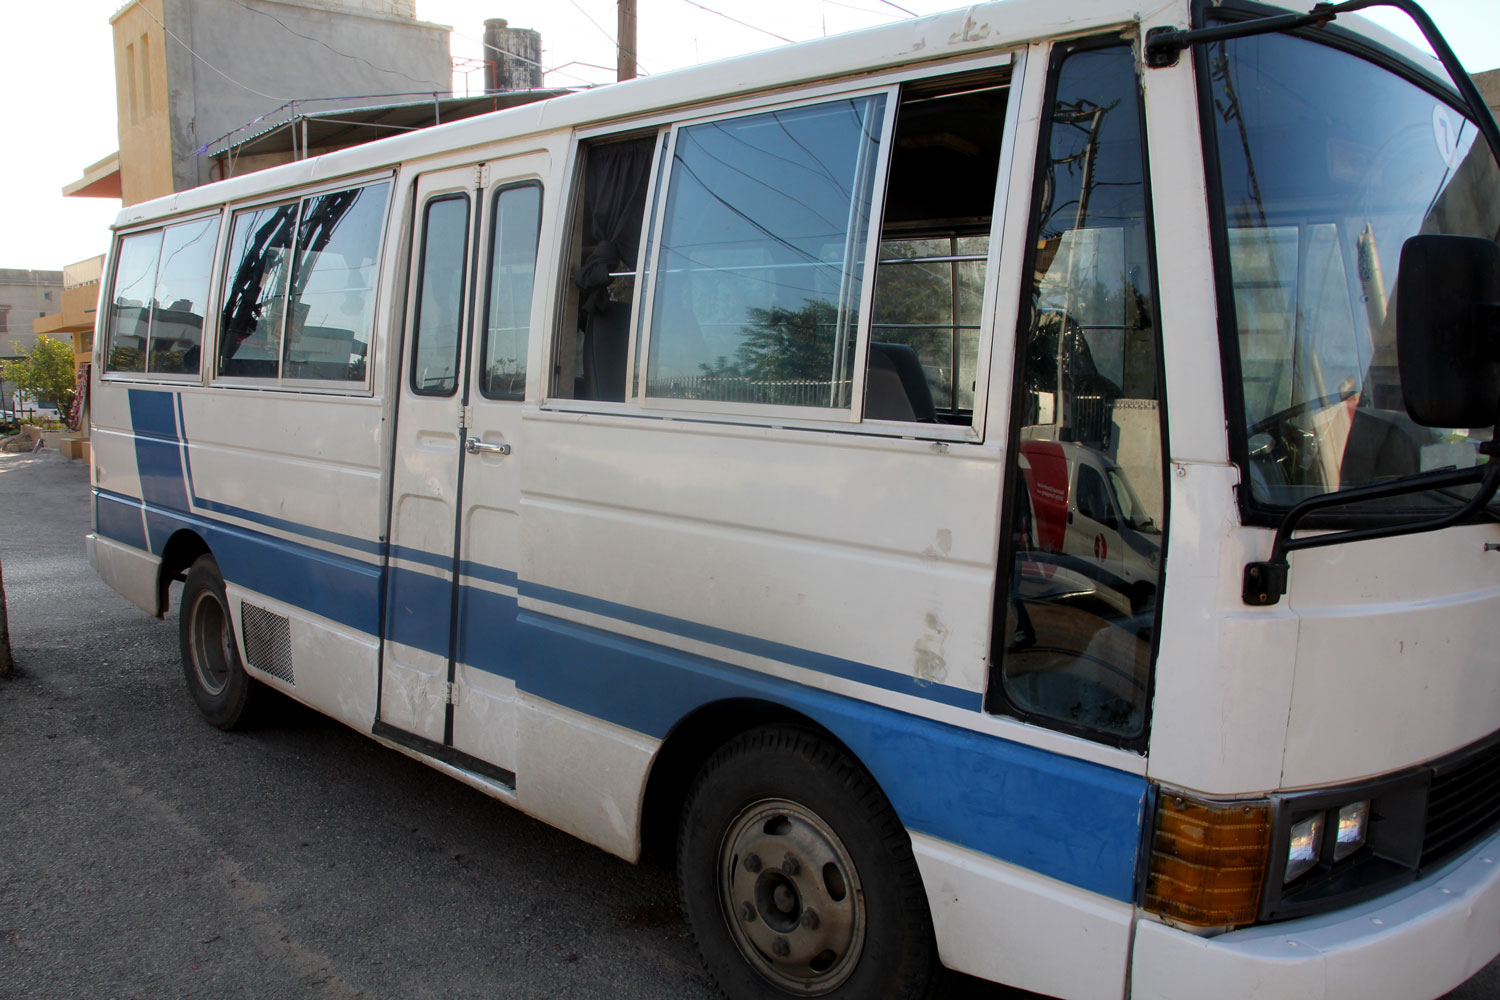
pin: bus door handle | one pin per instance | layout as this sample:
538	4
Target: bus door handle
474	446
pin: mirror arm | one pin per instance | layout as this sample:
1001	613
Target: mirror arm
1266	582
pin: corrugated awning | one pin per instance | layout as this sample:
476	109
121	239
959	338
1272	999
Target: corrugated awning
324	131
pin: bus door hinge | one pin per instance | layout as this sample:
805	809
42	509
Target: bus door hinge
481	176
465	417
452	693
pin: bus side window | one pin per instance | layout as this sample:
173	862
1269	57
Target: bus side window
929	283
515	224
333	285
260	245
181	299
130	301
593	351
757	292
1076	644
437	325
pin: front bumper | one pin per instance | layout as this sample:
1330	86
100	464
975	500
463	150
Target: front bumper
1416	943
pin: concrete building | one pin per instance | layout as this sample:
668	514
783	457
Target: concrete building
25	296
190	72
1488	83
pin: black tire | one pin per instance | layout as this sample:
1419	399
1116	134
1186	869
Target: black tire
782	823
224	693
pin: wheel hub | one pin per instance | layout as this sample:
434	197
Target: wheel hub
792	897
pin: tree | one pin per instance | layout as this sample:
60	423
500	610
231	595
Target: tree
45	372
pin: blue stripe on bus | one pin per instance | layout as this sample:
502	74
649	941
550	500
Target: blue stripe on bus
158	455
1068	819
119	518
336	587
862	673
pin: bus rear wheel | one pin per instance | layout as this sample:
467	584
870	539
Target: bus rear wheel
222	690
797	877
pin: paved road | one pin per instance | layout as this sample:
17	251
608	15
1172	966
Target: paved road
144	854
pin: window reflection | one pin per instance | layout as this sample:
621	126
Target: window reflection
130	301
333	285
438	324
181	299
260	244
1086	488
763	248
513	228
1328	164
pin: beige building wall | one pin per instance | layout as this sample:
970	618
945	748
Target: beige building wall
141	102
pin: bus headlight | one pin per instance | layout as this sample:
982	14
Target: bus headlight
1305	846
1354	825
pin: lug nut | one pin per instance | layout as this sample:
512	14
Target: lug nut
810	919
747	912
781	948
752	863
791	865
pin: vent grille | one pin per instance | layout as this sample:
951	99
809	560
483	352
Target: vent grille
1463	804
268	641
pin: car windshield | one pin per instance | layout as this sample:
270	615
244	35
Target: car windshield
1327	164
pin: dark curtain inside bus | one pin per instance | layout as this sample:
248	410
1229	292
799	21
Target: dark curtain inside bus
614	200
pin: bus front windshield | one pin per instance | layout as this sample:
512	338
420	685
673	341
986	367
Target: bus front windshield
1328	163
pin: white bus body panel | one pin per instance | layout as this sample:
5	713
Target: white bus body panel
1005	923
1412	944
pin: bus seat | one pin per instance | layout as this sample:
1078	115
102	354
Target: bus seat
896	386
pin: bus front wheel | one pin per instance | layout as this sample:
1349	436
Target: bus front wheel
216	679
797	877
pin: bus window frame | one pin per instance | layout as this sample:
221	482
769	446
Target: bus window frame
104	330
311	387
997	699
844	420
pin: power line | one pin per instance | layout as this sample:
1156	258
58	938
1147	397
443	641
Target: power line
866	10
908	13
743	24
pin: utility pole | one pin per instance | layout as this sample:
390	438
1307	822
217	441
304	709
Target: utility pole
625	36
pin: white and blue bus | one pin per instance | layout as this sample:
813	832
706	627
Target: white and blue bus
957	485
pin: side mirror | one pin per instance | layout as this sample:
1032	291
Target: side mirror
1448	316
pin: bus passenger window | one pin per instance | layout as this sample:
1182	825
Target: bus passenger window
929	284
593	354
515	222
130	301
260	244
1074	638
437	327
333	285
757	290
181	299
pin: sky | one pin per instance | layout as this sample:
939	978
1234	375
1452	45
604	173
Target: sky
60	79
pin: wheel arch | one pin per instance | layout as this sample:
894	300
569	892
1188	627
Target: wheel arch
177	556
689	746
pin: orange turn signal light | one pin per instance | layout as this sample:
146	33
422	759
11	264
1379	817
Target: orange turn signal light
1208	860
